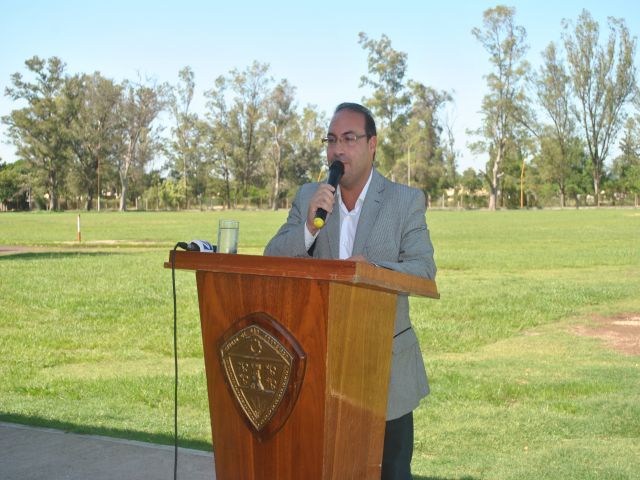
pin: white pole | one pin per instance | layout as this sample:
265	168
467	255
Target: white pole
79	236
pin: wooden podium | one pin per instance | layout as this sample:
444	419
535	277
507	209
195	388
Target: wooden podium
297	356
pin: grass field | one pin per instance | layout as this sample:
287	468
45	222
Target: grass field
86	336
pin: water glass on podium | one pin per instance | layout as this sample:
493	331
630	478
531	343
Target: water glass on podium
228	236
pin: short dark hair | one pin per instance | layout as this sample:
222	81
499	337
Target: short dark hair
369	122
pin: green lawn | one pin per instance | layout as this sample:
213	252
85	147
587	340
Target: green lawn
86	336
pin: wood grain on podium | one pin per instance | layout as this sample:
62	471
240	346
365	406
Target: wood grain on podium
358	378
342	314
295	451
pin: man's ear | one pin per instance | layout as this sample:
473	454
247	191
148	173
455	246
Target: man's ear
373	144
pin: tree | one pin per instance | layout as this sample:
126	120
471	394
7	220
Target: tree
558	144
471	182
95	129
8	185
239	135
450	157
425	153
308	150
626	167
281	121
558	160
217	135
514	182
390	100
14	185
548	169
139	107
40	129
504	107
604	79
247	120
185	148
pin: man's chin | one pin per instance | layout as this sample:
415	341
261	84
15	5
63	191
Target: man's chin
346	181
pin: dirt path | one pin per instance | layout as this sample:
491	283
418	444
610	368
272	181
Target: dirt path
621	332
94	246
15	249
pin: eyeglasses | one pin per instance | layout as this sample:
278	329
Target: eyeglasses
348	139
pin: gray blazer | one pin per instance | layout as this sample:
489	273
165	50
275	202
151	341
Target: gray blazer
392	233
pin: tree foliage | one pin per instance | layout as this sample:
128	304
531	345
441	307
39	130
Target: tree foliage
94	128
140	106
505	105
84	136
280	126
40	129
559	148
15	185
409	130
626	167
427	166
390	100
603	80
186	156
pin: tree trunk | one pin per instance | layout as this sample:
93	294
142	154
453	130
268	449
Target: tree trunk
89	202
596	180
123	197
186	192
227	187
522	185
493	198
53	194
276	191
124	175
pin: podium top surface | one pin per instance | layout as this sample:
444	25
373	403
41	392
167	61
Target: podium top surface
343	271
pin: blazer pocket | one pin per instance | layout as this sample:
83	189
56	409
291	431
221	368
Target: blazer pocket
404	341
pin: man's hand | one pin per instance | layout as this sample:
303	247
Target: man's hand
323	198
358	258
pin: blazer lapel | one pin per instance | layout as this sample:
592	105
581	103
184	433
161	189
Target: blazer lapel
369	212
333	230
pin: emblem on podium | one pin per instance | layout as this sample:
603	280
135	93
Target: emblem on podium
263	367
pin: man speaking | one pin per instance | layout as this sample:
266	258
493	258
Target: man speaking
369	219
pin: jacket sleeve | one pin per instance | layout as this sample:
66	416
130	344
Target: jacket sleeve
289	240
415	255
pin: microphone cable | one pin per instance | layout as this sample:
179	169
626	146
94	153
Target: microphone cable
195	245
175	362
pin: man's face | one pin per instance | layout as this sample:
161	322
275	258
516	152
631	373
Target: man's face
358	156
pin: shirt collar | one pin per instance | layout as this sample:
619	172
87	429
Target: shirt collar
362	195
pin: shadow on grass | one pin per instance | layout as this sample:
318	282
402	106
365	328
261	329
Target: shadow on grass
466	477
140	436
44	255
106	432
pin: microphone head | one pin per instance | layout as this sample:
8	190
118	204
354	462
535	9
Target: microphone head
337	166
201	246
318	222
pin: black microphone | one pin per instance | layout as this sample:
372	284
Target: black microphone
197	246
336	170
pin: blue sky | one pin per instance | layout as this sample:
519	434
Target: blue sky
312	44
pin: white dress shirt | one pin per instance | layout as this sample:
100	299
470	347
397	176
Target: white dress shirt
348	223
